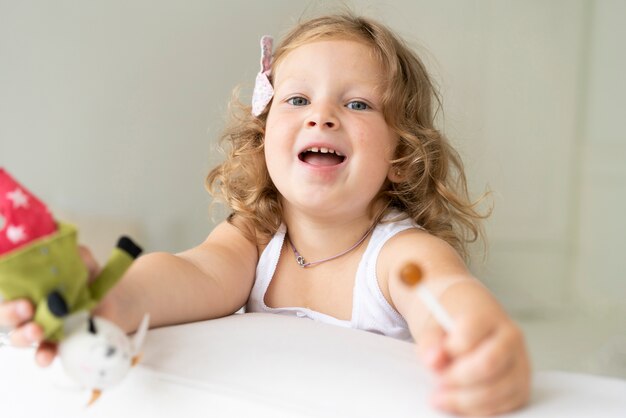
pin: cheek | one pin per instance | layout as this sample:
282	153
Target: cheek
270	146
273	134
274	159
379	143
388	141
278	143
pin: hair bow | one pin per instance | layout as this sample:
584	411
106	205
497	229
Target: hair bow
263	90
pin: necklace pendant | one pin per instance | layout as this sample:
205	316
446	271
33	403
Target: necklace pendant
301	261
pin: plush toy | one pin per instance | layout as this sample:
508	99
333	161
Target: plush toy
40	261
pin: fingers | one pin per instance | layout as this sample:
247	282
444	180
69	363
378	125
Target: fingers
27	335
431	347
46	352
509	391
15	313
488	361
488	372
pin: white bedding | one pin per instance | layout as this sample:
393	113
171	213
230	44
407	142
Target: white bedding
263	365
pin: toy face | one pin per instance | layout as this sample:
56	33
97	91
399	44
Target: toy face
97	360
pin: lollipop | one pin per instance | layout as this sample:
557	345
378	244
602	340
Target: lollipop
411	275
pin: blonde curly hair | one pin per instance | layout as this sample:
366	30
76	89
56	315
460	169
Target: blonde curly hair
432	188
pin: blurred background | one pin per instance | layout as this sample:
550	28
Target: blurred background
110	112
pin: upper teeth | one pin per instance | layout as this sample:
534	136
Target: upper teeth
324	150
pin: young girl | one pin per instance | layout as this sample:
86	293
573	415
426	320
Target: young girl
336	180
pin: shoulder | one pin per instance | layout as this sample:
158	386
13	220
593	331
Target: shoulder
243	225
433	254
241	228
229	248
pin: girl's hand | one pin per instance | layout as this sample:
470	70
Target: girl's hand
17	315
481	367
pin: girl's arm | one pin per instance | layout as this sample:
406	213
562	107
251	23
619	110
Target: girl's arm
211	280
481	366
441	269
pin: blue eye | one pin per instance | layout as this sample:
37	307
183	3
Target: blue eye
357	105
298	101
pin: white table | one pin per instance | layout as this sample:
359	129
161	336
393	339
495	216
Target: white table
260	365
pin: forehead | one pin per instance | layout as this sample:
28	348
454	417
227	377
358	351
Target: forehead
343	59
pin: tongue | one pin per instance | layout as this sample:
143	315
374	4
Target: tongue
316	158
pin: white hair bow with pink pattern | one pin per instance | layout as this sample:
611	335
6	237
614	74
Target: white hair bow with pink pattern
263	90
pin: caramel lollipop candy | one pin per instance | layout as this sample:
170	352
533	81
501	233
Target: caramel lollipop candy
411	274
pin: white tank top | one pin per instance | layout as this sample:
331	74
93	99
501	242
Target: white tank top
370	310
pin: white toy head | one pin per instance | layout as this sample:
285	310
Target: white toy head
97	356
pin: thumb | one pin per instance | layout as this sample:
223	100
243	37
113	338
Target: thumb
90	261
431	347
468	333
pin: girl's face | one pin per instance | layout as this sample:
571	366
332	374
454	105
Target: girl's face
327	145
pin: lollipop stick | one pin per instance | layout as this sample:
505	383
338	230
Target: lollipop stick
435	308
411	275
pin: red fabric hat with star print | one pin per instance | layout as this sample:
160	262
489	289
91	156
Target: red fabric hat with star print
23	217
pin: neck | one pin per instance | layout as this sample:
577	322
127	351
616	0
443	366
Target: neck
304	263
317	238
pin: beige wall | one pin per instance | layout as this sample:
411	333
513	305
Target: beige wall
599	262
110	110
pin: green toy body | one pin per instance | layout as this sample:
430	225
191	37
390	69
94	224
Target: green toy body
50	272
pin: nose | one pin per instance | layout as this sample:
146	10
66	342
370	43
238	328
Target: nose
323	117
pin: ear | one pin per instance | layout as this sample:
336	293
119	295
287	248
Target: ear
140	334
395	174
92	326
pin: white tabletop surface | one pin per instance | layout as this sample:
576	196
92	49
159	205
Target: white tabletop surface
275	366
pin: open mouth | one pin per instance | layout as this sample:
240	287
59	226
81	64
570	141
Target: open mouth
321	156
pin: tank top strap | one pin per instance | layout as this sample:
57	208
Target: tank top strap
268	261
372	310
